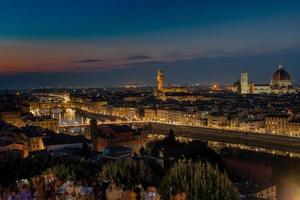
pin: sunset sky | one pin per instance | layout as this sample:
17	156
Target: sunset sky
108	43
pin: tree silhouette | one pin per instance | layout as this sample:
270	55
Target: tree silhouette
13	167
170	139
198	181
85	150
127	173
174	150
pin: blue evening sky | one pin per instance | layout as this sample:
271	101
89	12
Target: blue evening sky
104	42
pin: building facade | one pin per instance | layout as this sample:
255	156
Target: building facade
104	136
244	83
277	123
160	80
281	83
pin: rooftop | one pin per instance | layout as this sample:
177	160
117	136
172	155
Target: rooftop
120	128
59	139
281	75
278	115
295	120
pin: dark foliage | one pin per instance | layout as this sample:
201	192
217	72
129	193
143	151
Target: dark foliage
128	173
174	150
13	167
198	181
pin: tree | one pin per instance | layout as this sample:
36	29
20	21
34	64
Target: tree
142	151
127	173
14	167
171	139
85	150
10	168
174	150
73	171
198	181
61	172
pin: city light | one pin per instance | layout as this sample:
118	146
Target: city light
149	100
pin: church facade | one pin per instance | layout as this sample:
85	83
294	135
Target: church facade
281	83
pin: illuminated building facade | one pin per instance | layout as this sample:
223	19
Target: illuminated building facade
244	83
150	114
161	90
183	97
10	117
260	88
293	127
160	80
217	120
131	113
235	87
104	136
15	118
163	115
277	124
252	125
45	122
281	83
175	116
34	141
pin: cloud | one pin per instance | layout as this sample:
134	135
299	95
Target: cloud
130	58
87	61
138	57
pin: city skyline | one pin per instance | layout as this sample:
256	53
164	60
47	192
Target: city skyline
125	42
140	100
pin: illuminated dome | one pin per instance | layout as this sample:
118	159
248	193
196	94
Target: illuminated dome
281	75
281	82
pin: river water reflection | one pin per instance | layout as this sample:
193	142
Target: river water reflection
72	119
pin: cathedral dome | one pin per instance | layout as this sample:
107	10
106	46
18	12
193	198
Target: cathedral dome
281	75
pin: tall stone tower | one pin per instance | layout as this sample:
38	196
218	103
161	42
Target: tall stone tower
160	80
244	83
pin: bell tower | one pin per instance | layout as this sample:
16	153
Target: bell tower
160	80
